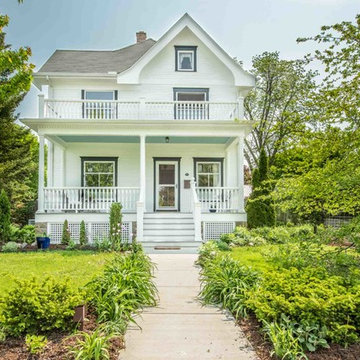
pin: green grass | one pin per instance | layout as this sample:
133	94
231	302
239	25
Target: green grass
253	256
79	266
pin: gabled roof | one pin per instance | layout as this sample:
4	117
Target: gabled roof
241	77
95	61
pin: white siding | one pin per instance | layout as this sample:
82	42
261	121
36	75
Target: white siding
129	164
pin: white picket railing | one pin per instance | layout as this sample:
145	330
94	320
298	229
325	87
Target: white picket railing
136	110
219	199
90	198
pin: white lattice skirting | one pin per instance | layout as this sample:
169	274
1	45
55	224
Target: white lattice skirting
213	230
94	231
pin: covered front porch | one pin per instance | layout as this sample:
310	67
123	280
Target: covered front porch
197	175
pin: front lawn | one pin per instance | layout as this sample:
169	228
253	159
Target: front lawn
79	266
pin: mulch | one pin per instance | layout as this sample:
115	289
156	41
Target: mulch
58	345
252	330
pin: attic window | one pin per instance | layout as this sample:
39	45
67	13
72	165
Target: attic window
185	58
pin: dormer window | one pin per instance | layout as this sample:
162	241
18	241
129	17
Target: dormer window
185	58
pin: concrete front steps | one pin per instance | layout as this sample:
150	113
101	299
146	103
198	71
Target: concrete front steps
169	232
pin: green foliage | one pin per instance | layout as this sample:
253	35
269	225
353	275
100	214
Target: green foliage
259	207
34	306
71	245
4	217
66	235
92	346
286	345
327	302
263	166
125	286
2	334
103	244
115	225
259	213
83	237
276	105
222	245
225	282
24	235
207	251
35	344
10	246
18	146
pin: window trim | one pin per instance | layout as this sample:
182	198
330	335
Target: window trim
99	159
185	48
209	160
100	91
189	91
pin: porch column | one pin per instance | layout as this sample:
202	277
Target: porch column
140	205
240	158
41	175
142	167
50	166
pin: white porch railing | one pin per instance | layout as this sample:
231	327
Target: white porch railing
140	110
219	199
90	198
196	210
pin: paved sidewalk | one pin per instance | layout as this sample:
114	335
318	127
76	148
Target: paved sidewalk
180	328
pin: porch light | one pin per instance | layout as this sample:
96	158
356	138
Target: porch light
167	139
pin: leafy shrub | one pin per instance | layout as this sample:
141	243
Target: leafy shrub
83	237
325	302
24	235
124	287
225	282
259	213
207	251
92	346
286	345
10	246
66	235
2	334
4	217
115	225
35	344
71	245
313	254
35	306
103	244
222	245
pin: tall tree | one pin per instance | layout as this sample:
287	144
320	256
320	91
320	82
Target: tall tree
277	105
339	96
18	147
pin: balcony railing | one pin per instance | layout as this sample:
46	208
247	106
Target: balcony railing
90	198
219	199
141	110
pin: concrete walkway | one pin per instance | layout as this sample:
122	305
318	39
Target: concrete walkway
180	328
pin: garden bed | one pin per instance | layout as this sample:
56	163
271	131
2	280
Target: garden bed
292	294
58	345
263	348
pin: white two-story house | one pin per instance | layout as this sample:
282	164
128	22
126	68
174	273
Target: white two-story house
157	126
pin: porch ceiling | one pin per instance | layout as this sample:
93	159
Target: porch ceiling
149	140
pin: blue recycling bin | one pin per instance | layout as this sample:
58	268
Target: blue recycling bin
43	242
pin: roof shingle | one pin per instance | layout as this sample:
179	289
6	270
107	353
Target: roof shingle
93	61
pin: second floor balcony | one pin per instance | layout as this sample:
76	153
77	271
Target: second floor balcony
139	110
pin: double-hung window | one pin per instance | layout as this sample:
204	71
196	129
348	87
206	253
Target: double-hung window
208	173
185	58
99	172
100	104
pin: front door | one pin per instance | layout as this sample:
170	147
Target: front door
166	185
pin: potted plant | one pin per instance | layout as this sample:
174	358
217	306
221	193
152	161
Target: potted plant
43	241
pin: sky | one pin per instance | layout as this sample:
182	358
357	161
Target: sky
242	28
